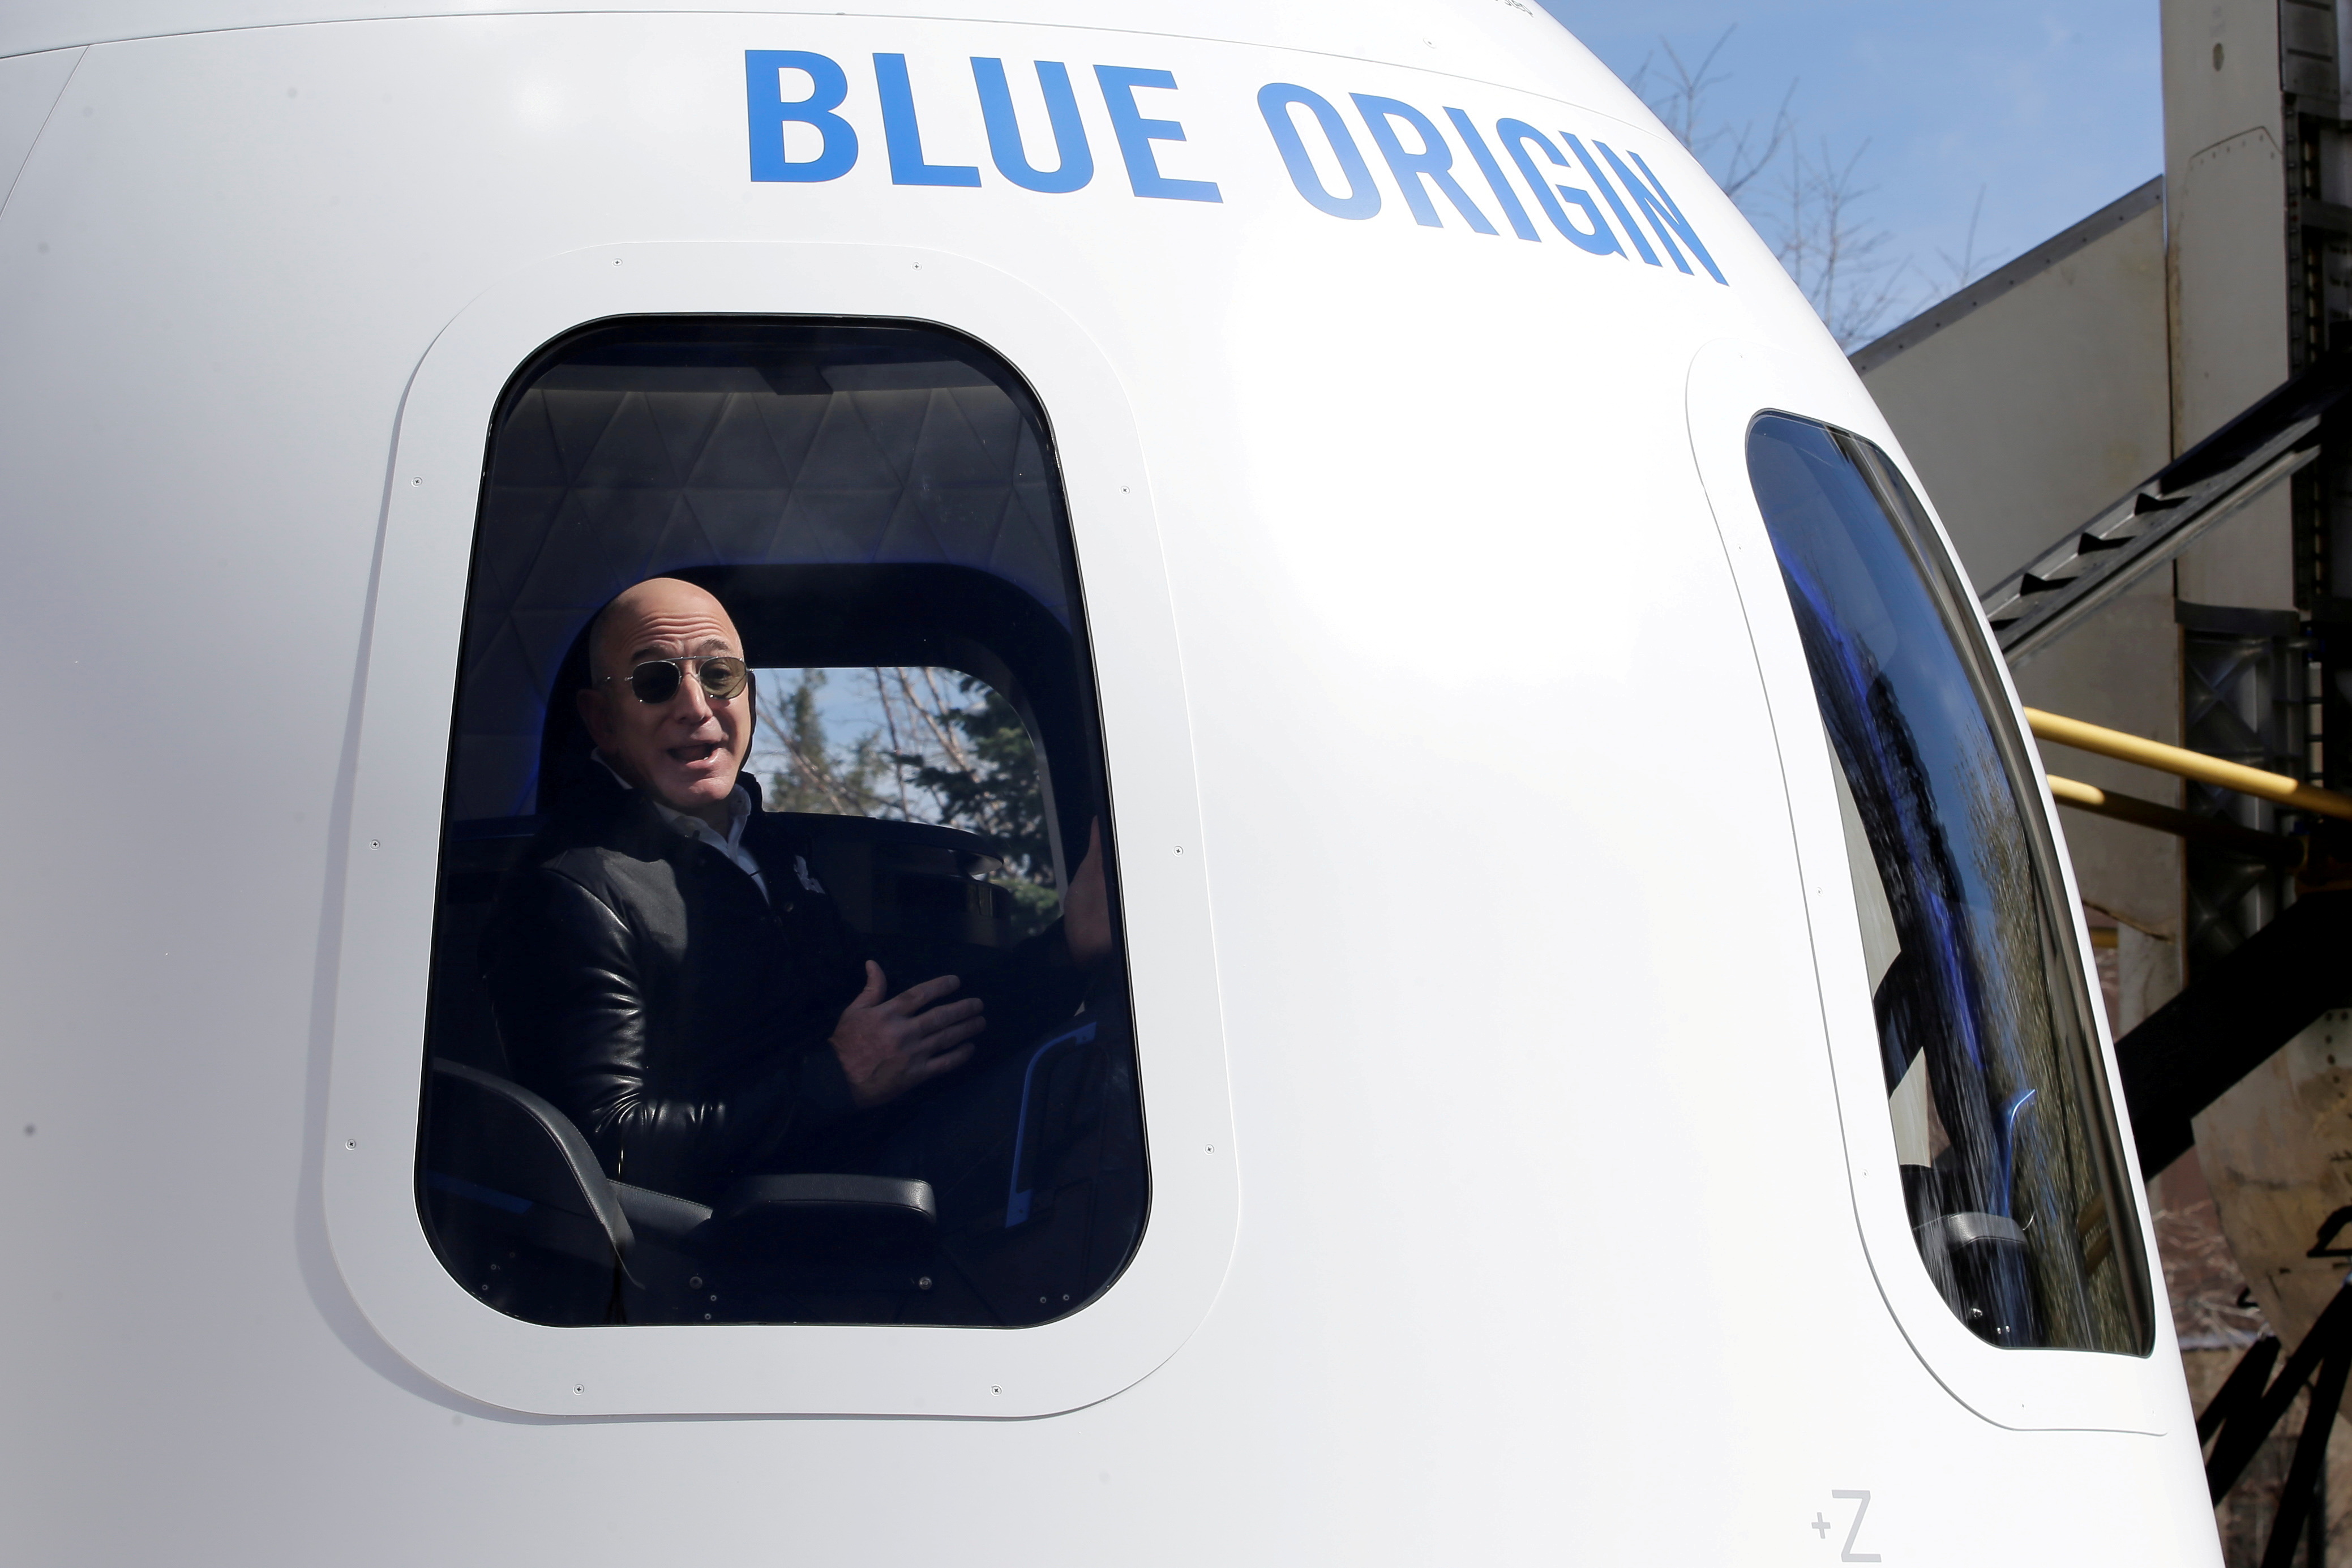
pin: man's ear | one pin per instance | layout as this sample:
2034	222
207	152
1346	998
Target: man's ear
588	704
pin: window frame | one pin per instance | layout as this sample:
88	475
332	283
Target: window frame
2069	990
1731	384
395	785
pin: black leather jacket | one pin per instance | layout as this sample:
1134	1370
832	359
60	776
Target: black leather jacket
666	1007
682	1021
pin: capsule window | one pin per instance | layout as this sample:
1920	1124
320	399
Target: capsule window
778	966
2003	1129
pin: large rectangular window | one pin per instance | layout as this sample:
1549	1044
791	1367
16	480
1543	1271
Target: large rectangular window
2002	1125
712	855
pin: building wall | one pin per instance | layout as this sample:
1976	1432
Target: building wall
2043	403
2028	402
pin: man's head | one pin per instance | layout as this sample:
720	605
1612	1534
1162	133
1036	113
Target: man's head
684	752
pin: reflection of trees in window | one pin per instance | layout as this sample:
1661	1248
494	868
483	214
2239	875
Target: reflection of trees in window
2058	1202
2020	1054
929	745
1969	991
1991	1076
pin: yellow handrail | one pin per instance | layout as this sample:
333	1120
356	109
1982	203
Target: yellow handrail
2270	786
2277	849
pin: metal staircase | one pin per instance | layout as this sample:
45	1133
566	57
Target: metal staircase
2205	485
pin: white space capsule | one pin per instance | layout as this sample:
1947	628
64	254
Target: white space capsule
1590	1057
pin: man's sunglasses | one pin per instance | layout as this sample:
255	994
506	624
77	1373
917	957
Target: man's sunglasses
656	680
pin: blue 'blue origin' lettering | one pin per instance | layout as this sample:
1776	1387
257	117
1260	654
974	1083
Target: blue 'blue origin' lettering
1572	211
1416	170
1430	162
1136	134
1659	207
1516	136
1625	218
1074	161
1363	197
904	137
1494	172
769	113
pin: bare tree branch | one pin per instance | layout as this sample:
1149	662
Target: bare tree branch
1679	101
1970	267
1812	209
897	751
931	712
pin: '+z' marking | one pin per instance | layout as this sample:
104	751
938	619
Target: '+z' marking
1821	1527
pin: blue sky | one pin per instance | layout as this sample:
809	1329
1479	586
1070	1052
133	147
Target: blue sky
2051	108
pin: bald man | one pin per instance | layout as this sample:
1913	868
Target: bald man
663	964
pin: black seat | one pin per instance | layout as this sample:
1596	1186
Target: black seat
515	1201
1042	1193
521	1211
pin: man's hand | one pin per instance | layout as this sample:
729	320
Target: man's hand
1085	910
886	1047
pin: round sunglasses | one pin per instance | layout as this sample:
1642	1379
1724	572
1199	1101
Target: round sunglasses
656	680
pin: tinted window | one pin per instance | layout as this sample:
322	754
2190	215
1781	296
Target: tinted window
639	1104
2002	1122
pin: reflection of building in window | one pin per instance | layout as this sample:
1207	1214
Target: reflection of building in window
920	744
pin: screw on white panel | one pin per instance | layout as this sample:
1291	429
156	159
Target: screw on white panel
350	1142
418	481
579	1388
375	843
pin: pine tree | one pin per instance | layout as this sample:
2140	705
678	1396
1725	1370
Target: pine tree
949	749
996	793
816	776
